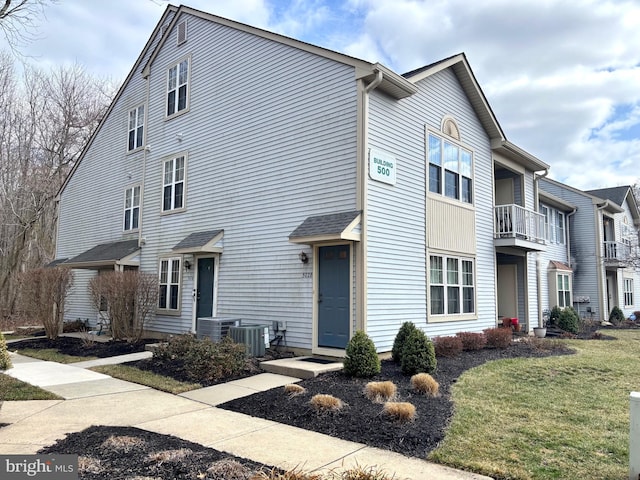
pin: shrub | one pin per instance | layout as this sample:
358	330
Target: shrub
616	316
425	383
43	295
447	346
401	411
380	392
498	337
569	320
5	359
202	360
294	390
326	403
361	358
418	354
554	316
398	342
277	474
362	473
77	325
472	341
228	469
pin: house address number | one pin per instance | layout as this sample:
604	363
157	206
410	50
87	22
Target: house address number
382	167
307	275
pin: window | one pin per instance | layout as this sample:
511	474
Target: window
564	290
177	87
451	291
169	284
450	165
136	127
173	184
628	292
553	224
131	208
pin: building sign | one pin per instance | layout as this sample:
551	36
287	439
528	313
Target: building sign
382	167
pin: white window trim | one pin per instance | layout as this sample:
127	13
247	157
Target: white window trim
560	293
446	317
170	259
460	145
136	127
132	208
628	292
184	185
176	65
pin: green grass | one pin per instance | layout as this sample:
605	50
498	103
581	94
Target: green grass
547	418
143	377
12	389
51	355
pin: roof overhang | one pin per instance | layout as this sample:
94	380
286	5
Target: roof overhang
209	241
327	228
555	202
107	255
518	155
607	205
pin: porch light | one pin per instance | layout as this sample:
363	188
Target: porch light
187	265
304	258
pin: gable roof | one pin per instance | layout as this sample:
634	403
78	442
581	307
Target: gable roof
333	226
619	195
198	242
600	202
105	254
461	68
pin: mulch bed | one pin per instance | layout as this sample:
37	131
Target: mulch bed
79	348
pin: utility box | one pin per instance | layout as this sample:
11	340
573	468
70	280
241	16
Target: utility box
254	337
215	328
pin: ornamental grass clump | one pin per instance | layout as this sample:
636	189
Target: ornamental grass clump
447	346
323	403
425	383
361	357
294	390
498	337
418	354
5	359
472	341
380	392
400	411
398	342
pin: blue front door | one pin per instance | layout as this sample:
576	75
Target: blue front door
333	296
204	289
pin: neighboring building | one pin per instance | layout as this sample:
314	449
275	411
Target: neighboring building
604	248
268	179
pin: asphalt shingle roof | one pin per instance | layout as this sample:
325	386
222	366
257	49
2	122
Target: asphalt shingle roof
615	194
331	224
106	252
197	239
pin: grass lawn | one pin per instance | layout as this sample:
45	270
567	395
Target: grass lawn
150	379
12	389
51	355
551	418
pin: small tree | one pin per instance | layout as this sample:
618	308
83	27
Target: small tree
616	316
569	320
5	359
130	296
418	354
398	342
554	316
362	359
43	293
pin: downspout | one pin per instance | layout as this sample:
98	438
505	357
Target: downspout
536	199
145	152
361	321
603	298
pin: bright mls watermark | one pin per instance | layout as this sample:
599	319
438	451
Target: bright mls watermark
51	467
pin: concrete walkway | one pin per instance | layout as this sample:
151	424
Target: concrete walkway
92	398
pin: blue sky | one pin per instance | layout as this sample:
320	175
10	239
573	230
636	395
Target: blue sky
562	76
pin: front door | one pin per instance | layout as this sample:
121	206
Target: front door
507	291
333	296
204	288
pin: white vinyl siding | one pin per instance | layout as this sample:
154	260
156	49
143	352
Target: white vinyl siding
131	208
178	87
173	184
136	128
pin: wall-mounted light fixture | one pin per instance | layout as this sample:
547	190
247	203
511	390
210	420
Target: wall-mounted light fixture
304	258
187	265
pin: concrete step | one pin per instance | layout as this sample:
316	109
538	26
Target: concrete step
301	367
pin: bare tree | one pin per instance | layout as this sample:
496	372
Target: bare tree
46	119
18	20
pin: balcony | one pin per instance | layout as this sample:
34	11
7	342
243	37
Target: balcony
616	254
519	227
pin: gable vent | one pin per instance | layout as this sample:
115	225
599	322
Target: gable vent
182	32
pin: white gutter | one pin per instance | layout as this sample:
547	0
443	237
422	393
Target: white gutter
145	152
536	199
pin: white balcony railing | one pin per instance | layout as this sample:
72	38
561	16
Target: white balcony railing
514	221
616	252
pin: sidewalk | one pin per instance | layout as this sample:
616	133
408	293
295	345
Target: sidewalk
92	398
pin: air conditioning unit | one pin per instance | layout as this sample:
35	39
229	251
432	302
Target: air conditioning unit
255	337
214	328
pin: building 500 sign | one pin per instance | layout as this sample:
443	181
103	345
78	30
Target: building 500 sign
382	167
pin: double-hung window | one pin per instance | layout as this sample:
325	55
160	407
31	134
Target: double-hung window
450	169
452	285
173	184
169	284
136	127
564	290
628	292
178	87
553	224
131	208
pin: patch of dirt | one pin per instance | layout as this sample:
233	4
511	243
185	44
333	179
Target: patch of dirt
127	452
362	420
76	346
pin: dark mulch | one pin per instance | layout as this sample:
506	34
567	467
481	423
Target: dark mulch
362	420
79	348
151	455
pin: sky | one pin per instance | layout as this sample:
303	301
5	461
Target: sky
562	76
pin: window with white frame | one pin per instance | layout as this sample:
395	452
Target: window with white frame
136	127
169	284
131	208
451	286
173	183
628	292
554	224
178	87
450	169
564	290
